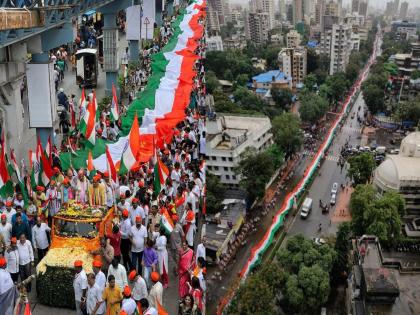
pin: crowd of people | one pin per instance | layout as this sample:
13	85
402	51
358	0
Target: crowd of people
138	257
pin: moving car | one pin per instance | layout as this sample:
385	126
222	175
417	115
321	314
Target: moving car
333	199
334	188
306	208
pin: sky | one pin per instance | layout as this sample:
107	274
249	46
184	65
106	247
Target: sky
375	3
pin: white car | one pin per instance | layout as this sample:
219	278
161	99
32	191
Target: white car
334	188
333	199
319	241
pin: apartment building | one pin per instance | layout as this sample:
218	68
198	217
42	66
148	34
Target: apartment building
214	43
228	137
341	46
293	63
258	27
292	39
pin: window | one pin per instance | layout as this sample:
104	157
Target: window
209	167
213	158
226	169
233	176
216	168
227	177
223	158
230	159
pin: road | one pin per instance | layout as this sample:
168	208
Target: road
330	172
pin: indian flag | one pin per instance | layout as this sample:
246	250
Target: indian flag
131	151
166	222
87	124
90	167
6	187
110	166
114	104
160	176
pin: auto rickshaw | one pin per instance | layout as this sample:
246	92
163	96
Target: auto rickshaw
87	67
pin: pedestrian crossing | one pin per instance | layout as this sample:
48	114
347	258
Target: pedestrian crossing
332	158
348	129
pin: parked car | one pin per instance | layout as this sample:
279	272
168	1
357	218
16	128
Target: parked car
333	199
319	241
334	188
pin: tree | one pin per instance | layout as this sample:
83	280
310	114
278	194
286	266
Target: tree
380	216
310	83
342	247
255	169
415	75
282	97
276	155
408	111
287	133
214	193
337	86
242	79
374	97
212	83
361	168
312	107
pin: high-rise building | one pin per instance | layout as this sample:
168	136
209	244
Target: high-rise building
259	27
403	10
282	8
331	8
219	6
213	25
340	8
293	39
319	12
396	7
389	11
354	6
341	47
293	63
289	12
363	6
297	11
265	6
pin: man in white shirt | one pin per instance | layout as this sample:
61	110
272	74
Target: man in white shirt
9	212
119	272
156	292
12	258
5	229
40	239
125	230
80	286
135	211
128	304
6	282
26	259
139	288
138	235
100	278
201	249
94	302
149	310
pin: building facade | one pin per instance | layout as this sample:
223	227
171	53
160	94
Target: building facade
403	10
214	43
293	63
258	27
341	46
228	137
292	39
297	11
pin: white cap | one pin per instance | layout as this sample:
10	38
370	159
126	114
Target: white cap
61	90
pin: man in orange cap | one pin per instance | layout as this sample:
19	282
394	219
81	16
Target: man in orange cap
136	210
81	187
128	304
5	229
80	286
189	225
6	282
97	192
12	258
67	192
111	187
100	278
138	236
139	288
10	211
57	177
125	240
156	292
123	203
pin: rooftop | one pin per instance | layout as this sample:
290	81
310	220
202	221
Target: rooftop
268	76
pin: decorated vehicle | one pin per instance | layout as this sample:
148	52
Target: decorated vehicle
76	231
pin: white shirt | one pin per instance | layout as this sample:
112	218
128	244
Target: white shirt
129	305
79	284
151	311
6	282
125	228
138	238
26	254
93	296
134	212
12	258
100	280
156	293
140	289
9	215
120	275
176	175
202	145
39	236
6	231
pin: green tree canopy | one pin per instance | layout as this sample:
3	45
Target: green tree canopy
337	86
276	154
281	97
374	97
342	247
361	168
310	83
255	169
408	111
214	193
287	133
212	83
415	75
312	107
380	216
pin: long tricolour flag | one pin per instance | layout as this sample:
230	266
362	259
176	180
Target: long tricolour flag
114	104
129	156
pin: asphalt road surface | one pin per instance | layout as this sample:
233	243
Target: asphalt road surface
329	173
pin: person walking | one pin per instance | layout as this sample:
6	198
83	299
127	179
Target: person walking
125	240
40	238
149	261
119	273
139	288
26	259
162	252
94	302
12	258
156	292
112	296
80	287
138	236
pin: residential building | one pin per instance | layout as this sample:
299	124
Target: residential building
268	7
289	13
214	43
363	8
292	39
341	46
262	83
297	11
401	173
213	25
354	6
282	9
319	12
228	137
389	11
219	6
293	63
331	8
403	10
355	41
258	27
407	63
404	29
